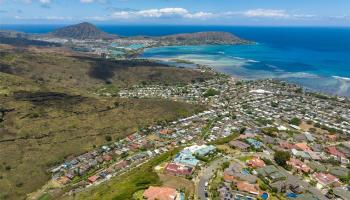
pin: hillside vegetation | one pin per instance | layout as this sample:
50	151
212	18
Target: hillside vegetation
50	114
60	67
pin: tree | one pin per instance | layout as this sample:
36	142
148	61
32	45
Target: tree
274	104
295	121
274	190
211	92
225	165
281	158
242	130
108	138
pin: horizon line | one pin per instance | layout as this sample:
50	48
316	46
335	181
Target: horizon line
212	25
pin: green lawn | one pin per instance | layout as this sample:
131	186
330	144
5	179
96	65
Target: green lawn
245	158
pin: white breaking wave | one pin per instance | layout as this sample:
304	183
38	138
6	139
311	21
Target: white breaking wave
298	75
253	61
341	78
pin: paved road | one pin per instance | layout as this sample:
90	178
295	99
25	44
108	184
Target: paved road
206	174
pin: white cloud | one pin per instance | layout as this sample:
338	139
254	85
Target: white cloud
200	15
184	14
266	13
161	13
92	1
45	1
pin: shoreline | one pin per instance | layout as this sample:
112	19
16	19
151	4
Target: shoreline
170	61
288	77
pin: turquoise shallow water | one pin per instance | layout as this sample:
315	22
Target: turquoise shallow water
317	70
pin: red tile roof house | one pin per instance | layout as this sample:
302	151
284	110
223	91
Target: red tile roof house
164	132
247	187
107	158
299	166
334	152
229	178
332	138
130	138
134	147
93	179
178	169
120	165
302	147
287	145
255	162
160	193
326	180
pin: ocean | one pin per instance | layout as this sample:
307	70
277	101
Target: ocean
317	58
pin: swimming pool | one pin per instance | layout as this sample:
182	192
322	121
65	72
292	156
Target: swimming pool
292	195
265	196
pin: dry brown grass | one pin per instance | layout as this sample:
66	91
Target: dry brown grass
41	133
61	68
177	182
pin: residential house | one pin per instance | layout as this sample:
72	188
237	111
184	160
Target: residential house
326	180
335	153
185	157
161	193
255	162
332	138
298	166
271	172
342	193
255	143
201	150
301	154
93	179
302	147
107	158
239	145
178	169
247	187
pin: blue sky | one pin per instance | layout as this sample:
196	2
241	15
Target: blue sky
198	12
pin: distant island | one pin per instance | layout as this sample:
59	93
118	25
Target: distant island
87	31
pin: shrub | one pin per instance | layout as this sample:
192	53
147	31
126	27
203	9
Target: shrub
281	158
225	165
108	138
211	92
20	184
274	190
295	121
263	186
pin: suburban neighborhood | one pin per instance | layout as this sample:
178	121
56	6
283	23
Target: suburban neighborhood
257	140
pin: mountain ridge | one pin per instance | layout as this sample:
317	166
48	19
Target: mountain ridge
204	37
82	31
88	31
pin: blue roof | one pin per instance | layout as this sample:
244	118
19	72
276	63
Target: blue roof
204	151
255	143
185	157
